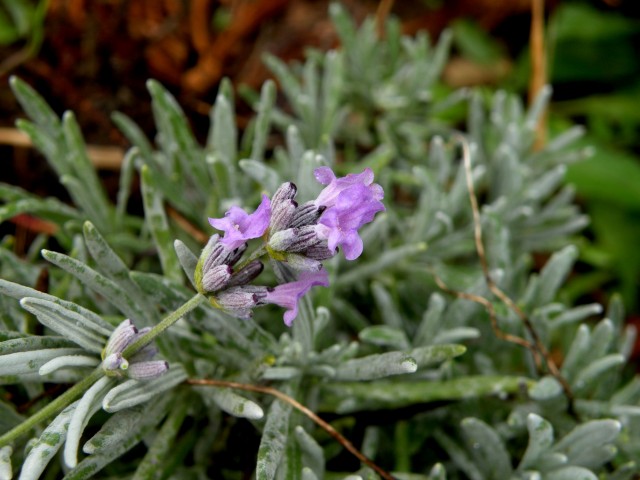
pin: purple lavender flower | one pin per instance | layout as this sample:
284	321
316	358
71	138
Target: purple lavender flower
335	186
288	294
352	201
239	226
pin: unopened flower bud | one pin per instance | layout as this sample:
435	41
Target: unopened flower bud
286	191
216	278
119	339
302	263
147	370
138	366
294	239
306	214
245	274
282	215
319	251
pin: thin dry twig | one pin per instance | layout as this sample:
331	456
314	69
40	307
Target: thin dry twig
537	346
101	156
538	65
382	13
492	317
300	407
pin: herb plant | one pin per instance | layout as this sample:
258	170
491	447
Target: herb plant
435	348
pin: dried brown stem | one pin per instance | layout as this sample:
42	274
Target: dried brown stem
492	317
300	407
537	344
382	13
538	64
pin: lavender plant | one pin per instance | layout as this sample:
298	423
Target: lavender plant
432	350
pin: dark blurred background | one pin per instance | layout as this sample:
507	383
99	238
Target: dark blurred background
94	57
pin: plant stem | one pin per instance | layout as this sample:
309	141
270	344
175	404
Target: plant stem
52	408
257	253
300	407
166	322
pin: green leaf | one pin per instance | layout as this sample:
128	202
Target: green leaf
99	283
232	403
274	440
384	336
187	260
588	436
35	106
85	408
263	121
312	453
47	445
266	176
68	323
571	473
540	441
376	366
159	226
354	396
21	363
163	442
6	471
84	171
554	273
134	134
133	392
487	448
91	465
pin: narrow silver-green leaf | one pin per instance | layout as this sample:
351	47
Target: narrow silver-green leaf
487	448
68	323
79	161
68	361
159	226
88	467
134	392
234	404
540	441
274	440
384	336
21	363
6	470
163	442
35	106
86	407
47	445
433	354
187	260
554	273
376	366
33	342
18	292
263	121
571	473
312	452
266	176
99	283
346	397
380	262
133	133
592	434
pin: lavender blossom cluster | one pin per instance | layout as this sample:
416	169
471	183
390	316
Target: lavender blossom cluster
297	236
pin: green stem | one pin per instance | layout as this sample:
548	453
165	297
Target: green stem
166	322
254	255
52	408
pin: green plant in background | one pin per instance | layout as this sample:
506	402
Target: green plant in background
593	64
441	328
22	20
